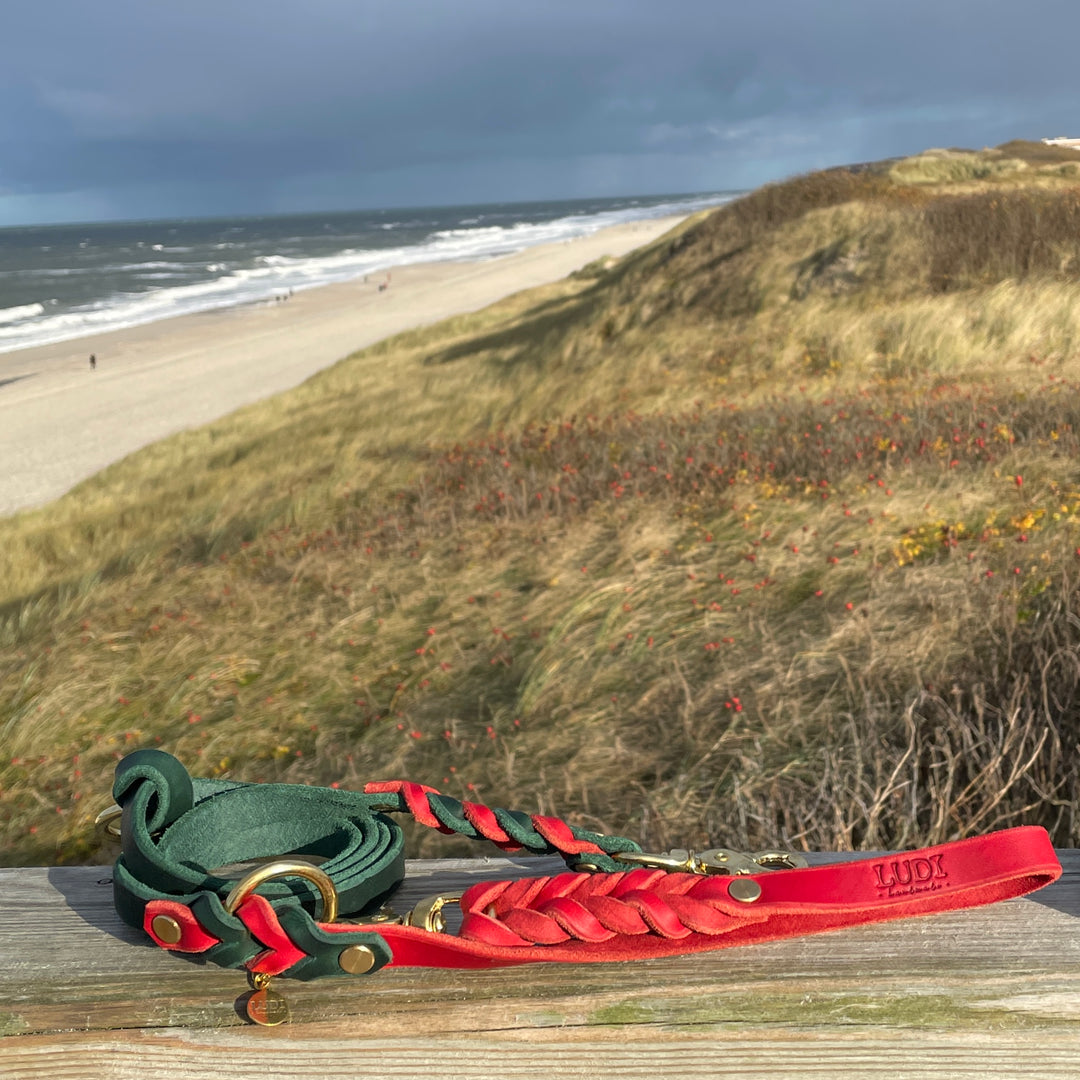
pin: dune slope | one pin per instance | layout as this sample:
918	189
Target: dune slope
764	534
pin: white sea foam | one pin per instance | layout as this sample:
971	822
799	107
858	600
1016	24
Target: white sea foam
276	274
60	271
23	311
159	265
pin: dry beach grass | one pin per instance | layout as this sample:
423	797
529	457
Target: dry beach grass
767	533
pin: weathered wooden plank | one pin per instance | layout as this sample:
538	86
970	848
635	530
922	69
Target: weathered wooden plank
777	1054
1003	983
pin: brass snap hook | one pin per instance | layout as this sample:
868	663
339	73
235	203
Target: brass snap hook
715	861
108	821
429	913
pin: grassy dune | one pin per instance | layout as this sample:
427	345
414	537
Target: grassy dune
767	533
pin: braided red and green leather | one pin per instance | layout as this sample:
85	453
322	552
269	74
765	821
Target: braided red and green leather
174	829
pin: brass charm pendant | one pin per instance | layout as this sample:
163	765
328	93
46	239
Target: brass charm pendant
266	1007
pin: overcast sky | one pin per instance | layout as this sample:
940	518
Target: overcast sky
136	108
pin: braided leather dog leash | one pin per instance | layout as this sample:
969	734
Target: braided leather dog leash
615	903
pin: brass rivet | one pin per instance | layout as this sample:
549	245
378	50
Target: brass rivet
744	889
167	929
356	959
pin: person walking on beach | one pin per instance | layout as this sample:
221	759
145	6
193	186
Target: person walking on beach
93	362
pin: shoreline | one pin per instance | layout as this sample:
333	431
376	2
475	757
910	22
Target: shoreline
62	422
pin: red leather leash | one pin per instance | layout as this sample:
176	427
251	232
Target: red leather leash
649	912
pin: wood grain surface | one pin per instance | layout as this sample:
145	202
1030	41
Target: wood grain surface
988	992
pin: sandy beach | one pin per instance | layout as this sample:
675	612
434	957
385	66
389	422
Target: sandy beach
60	422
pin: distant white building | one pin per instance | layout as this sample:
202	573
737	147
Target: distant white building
1061	140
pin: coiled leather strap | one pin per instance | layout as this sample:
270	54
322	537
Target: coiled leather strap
175	829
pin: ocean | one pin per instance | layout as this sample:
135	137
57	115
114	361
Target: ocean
59	282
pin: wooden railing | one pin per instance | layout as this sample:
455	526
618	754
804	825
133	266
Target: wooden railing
990	992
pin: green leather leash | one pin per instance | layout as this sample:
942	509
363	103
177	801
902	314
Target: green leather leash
175	829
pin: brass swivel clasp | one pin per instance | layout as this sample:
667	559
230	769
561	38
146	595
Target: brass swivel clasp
426	915
715	861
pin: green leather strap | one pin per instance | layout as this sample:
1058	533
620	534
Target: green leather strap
175	829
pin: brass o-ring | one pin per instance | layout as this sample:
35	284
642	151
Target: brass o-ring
247	885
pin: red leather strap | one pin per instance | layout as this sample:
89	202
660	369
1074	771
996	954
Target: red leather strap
646	913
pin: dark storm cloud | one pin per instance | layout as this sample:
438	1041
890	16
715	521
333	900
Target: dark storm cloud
123	94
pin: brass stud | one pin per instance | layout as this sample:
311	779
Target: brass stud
744	889
166	929
356	959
